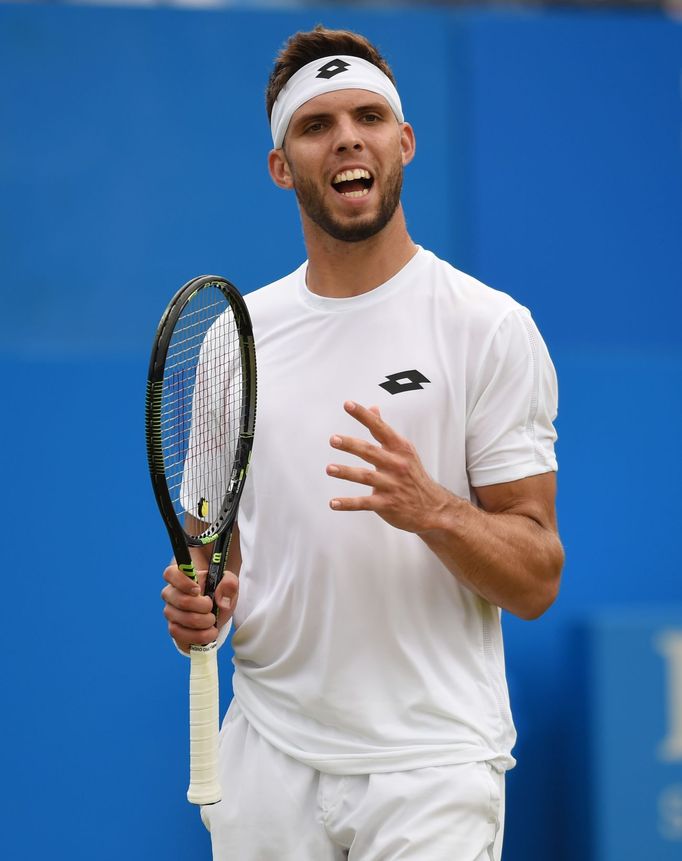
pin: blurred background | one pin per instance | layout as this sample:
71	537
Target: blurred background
133	142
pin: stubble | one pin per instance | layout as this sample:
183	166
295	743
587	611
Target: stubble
312	203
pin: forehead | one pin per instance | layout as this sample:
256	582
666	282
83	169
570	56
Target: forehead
340	101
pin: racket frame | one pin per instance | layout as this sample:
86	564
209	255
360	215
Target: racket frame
204	785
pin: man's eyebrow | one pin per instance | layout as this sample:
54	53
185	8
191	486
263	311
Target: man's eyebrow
317	115
376	107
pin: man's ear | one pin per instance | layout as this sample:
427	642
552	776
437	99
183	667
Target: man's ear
408	144
279	169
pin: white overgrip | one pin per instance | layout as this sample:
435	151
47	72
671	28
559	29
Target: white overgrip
204	718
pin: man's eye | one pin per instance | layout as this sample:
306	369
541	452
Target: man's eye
314	127
371	118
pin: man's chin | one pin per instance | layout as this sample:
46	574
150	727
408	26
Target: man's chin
357	234
353	230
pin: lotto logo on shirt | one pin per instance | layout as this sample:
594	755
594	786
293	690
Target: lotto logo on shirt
404	381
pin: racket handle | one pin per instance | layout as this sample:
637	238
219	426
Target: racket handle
204	787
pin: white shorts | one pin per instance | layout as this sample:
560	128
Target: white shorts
275	808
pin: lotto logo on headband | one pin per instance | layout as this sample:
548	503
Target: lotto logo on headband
335	67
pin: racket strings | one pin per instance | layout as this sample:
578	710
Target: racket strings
201	408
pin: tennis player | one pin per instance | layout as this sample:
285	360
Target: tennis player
402	493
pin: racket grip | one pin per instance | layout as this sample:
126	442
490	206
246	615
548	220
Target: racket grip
204	718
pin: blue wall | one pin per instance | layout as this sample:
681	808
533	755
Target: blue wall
132	157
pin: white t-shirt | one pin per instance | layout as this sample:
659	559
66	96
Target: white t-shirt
356	650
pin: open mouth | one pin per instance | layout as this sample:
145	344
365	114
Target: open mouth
353	183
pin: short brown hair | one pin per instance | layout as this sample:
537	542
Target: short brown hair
304	47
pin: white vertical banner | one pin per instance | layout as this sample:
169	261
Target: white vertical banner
669	646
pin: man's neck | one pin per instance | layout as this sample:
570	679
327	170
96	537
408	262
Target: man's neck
338	269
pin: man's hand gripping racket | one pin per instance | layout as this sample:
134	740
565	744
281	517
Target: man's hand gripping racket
200	417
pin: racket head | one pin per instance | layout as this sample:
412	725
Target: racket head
200	411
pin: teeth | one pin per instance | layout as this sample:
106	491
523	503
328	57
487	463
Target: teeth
348	175
355	193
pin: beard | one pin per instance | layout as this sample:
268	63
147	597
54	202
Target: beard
311	201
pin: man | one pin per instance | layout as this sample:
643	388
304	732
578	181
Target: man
401	491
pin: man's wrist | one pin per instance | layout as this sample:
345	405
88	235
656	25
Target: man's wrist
443	515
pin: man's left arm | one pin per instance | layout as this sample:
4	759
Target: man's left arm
508	551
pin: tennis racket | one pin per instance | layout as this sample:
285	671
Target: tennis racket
200	417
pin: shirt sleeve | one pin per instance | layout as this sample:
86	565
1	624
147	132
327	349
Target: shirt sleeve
510	432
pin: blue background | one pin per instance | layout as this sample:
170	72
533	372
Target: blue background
632	774
132	157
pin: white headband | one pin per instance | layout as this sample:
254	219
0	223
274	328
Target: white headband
325	76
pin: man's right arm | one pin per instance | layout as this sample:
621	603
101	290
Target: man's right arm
188	611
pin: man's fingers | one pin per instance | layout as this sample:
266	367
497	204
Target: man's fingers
362	448
358	474
190	617
371	419
187	603
226	591
187	619
355	503
185	637
182	582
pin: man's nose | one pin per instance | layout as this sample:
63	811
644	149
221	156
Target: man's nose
348	137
